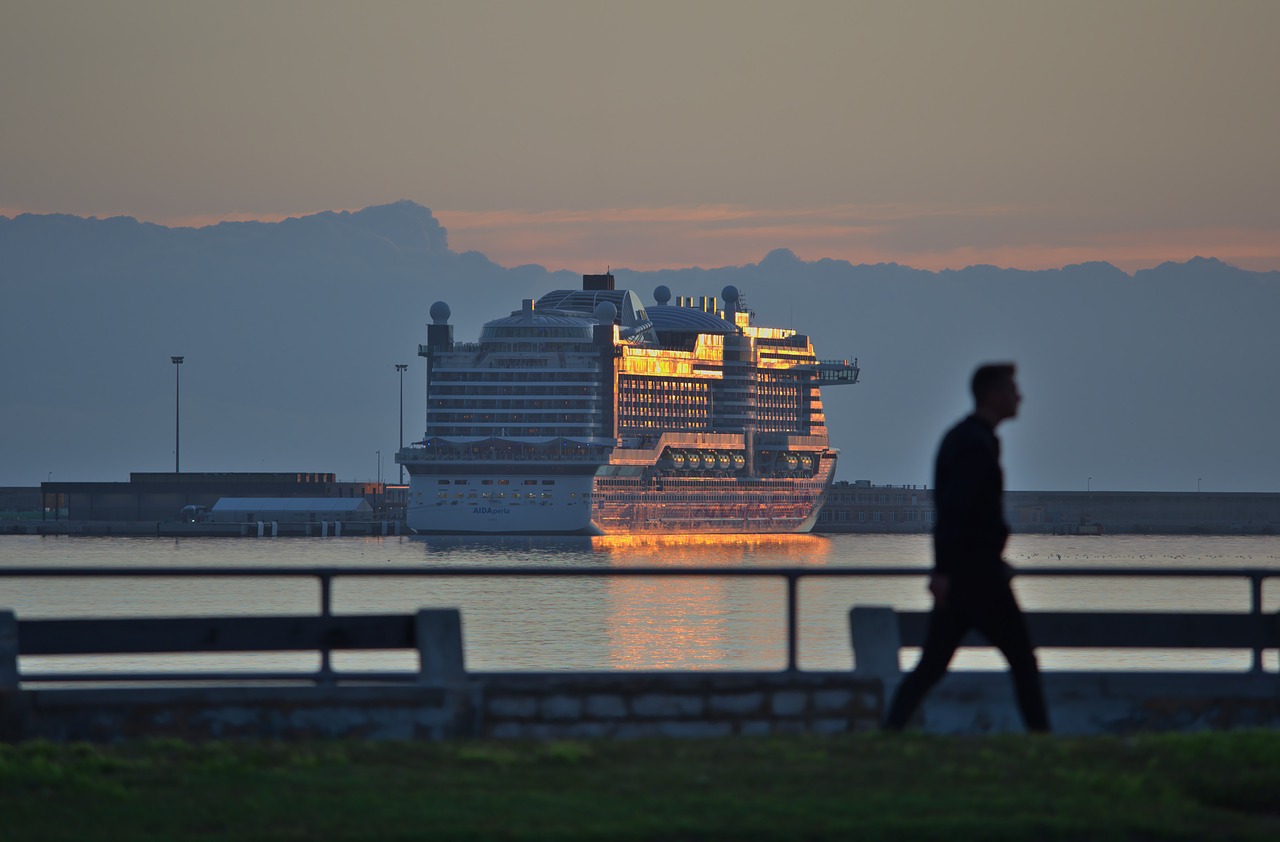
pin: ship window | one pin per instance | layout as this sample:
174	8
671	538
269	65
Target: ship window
531	482
442	482
504	482
486	482
459	482
548	482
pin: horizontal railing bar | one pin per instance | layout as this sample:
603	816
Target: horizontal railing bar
302	678
1124	630
593	572
283	633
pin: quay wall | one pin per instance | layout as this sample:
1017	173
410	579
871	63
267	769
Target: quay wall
153	508
628	705
179	529
862	507
498	706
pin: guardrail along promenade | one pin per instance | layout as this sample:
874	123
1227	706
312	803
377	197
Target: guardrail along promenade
442	698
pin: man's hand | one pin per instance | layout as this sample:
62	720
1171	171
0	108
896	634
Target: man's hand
939	586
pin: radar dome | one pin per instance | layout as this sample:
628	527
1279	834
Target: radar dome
605	312
440	313
730	295
662	294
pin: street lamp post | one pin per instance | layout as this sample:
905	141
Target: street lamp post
400	367
1088	485
177	410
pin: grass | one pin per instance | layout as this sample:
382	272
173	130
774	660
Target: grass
864	787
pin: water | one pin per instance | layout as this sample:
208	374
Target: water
621	623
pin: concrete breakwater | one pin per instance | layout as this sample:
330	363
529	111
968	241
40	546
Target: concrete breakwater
500	706
862	507
153	507
183	529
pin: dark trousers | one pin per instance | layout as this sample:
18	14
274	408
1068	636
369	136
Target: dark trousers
991	609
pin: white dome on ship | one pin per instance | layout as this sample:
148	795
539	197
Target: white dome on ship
605	313
440	313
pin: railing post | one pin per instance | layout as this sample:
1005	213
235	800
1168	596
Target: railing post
439	637
876	641
326	595
326	606
1261	637
792	646
8	651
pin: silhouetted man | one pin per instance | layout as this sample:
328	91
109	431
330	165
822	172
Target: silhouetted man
970	580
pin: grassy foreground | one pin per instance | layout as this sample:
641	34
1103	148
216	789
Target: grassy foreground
864	787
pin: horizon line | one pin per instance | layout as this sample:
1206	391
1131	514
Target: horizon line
725	236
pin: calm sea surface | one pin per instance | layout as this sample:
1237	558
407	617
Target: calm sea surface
621	623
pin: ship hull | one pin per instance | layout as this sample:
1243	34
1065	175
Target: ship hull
448	503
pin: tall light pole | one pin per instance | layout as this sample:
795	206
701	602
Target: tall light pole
177	410
400	367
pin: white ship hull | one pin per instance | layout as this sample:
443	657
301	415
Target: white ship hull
553	504
559	506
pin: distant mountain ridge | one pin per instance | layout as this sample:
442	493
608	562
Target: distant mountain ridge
291	329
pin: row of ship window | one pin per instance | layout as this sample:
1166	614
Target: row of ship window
462	416
502	495
507	376
493	481
539	402
504	429
539	390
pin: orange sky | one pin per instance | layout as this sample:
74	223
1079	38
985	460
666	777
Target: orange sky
727	235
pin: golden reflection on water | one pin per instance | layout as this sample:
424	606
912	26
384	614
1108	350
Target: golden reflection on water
713	550
700	622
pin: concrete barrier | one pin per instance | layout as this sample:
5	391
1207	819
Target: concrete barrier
1096	702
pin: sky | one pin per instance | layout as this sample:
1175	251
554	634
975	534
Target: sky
581	135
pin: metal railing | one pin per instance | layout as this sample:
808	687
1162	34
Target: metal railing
790	575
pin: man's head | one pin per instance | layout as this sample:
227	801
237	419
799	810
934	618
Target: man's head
995	393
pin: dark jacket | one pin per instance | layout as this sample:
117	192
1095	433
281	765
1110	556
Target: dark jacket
968	490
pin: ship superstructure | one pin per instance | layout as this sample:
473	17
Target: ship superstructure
587	412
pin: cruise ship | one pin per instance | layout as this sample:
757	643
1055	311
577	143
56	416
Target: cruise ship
588	412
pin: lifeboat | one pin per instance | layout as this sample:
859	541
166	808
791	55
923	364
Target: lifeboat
694	461
723	459
677	458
